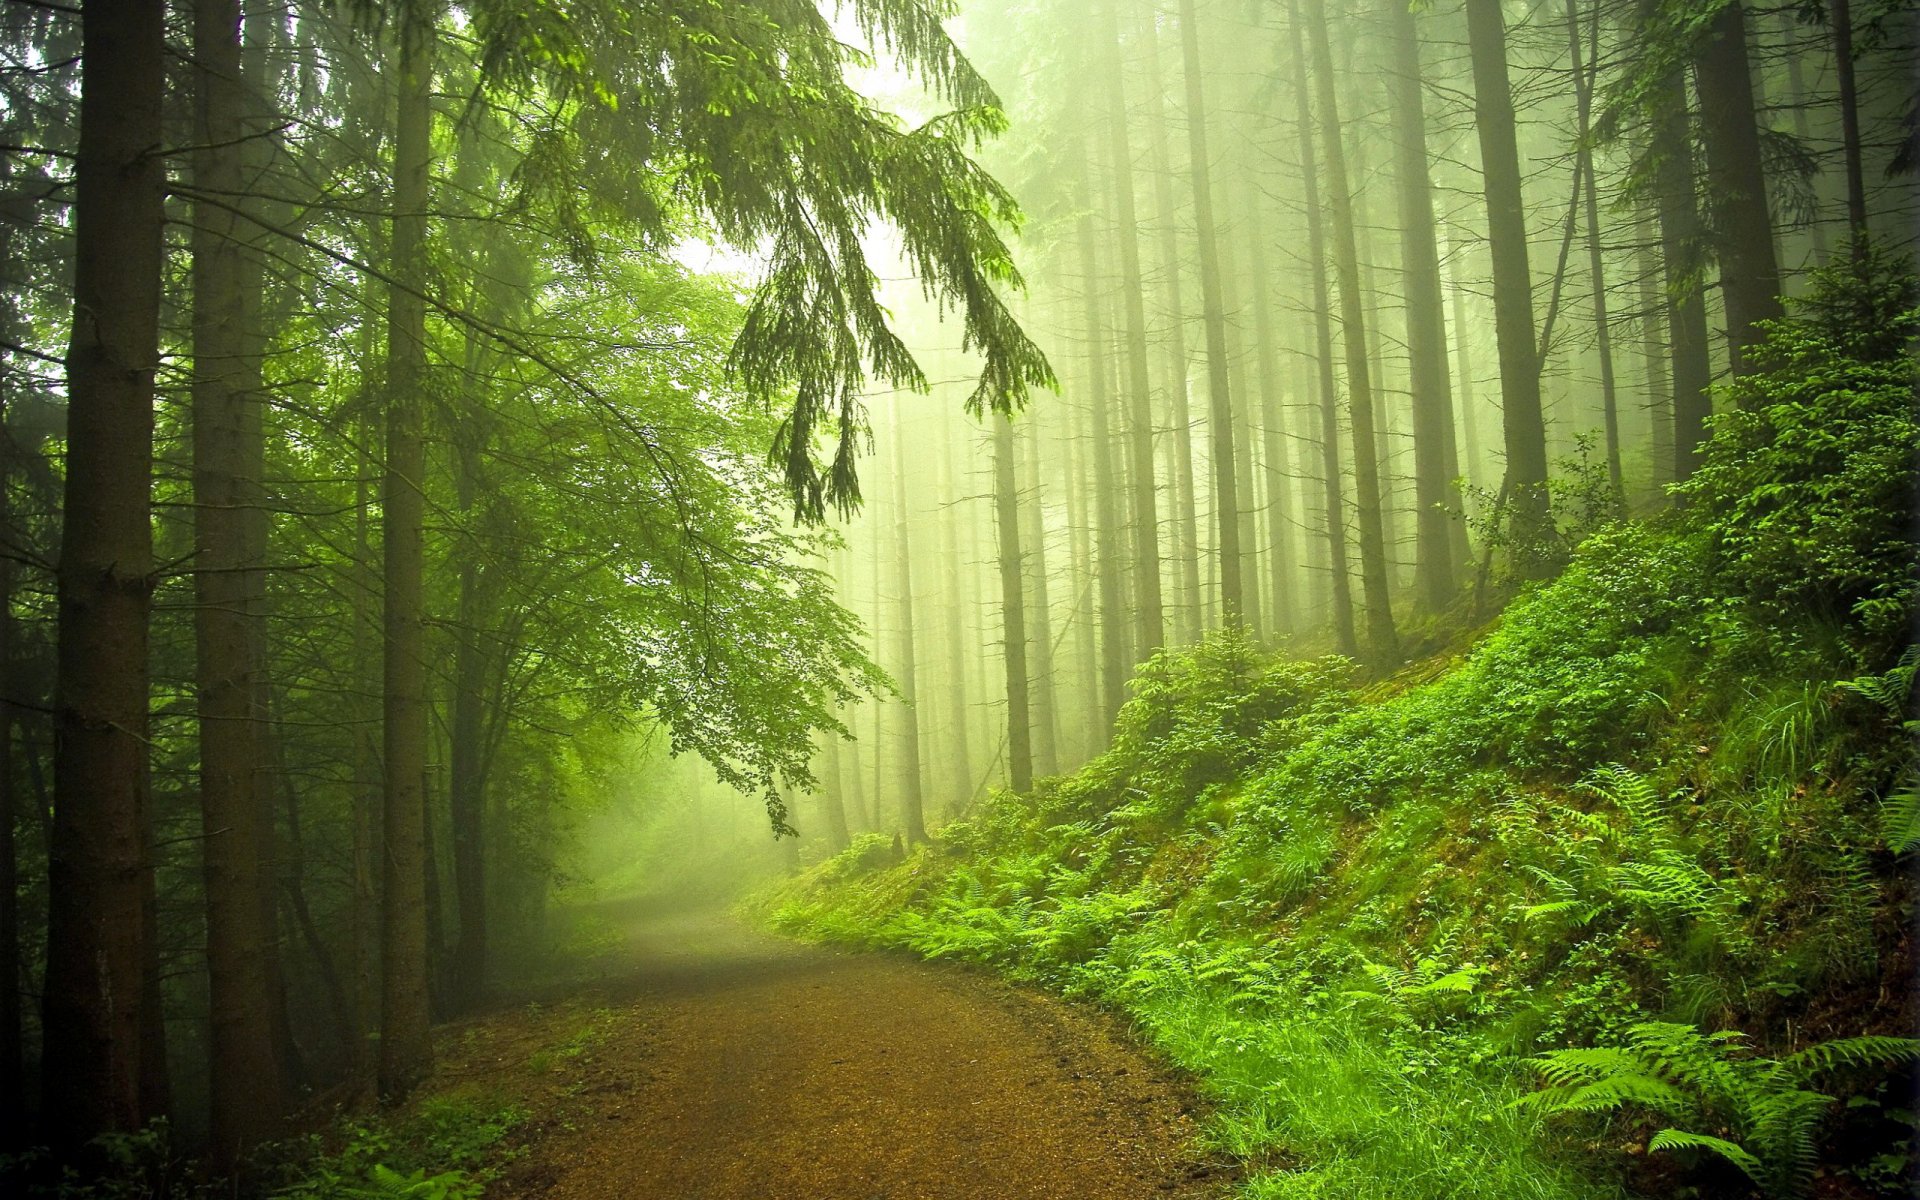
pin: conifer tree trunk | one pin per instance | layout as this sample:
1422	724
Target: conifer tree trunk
1736	179
12	1052
1033	542
1840	18
96	1023
1148	615
1435	570
1013	619
1232	279
1340	581
952	609
1112	623
832	796
1596	265
912	793
1186	523
406	1049
1382	639
1281	561
1530	520
1680	239
244	1068
466	767
1653	355
1226	494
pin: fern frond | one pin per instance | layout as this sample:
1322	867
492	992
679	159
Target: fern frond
1900	816
1855	1052
1733	1152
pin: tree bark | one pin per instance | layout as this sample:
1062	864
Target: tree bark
406	1047
1524	425
1382	639
1596	264
1013	617
95	1016
1737	182
1112	625
1340	582
246	1088
1033	544
1436	574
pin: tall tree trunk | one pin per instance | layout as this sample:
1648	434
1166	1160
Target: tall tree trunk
1742	226
1013	617
1596	265
466	777
912	795
1033	543
1247	495
12	1050
1226	494
1080	566
1148	616
1680	238
246	1090
100	869
1653	355
364	909
1112	625
1186	523
1339	578
1530	516
832	796
953	606
406	1047
1840	17
1435	571
1382	639
1282	563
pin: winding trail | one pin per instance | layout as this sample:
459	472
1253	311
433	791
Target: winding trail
736	1065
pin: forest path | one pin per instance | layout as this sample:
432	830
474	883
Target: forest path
731	1064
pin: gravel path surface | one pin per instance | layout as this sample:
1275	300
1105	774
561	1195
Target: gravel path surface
734	1065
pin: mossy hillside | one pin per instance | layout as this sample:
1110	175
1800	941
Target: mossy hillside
1666	786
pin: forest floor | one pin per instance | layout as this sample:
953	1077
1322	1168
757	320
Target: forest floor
711	1061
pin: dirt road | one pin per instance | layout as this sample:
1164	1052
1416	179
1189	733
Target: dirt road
728	1064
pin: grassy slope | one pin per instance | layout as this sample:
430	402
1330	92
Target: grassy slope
1360	912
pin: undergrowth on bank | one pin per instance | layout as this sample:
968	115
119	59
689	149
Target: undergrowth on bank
1615	902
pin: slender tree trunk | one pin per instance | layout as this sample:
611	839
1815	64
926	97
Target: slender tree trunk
1840	17
1530	516
95	1016
246	1089
466	799
1149	619
406	1048
1013	618
1080	566
1742	226
1226	495
1033	542
1186	523
1382	639
1653	356
12	1050
1340	582
832	800
1596	265
1680	238
1112	624
953	606
1283	564
365	906
1247	495
912	797
1435	571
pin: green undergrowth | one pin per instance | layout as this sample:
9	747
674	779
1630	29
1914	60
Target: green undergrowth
1612	903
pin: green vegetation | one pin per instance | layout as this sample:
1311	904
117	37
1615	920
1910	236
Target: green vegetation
1632	844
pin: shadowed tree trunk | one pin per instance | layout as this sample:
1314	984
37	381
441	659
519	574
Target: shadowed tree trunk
1596	265
1736	181
406	1049
1013	619
1340	582
1435	571
1382	639
245	1083
1112	624
100	868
